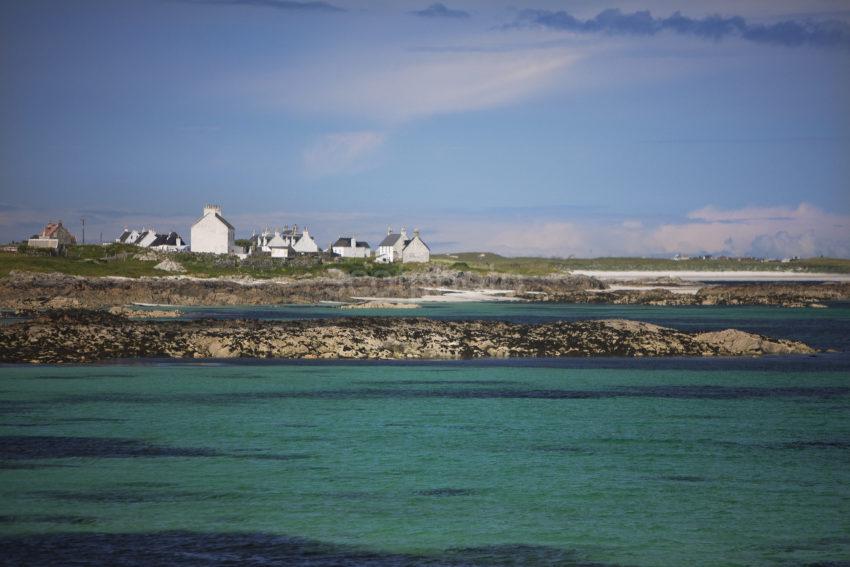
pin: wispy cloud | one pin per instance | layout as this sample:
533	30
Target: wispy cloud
397	87
289	5
341	152
439	10
791	33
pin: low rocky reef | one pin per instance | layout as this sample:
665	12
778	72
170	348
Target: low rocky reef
82	336
775	294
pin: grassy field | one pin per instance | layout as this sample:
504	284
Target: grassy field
489	262
124	260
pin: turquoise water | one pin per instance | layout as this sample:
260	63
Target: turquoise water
549	462
491	462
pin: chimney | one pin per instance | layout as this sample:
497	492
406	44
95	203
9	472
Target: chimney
212	209
404	233
416	232
389	230
354	242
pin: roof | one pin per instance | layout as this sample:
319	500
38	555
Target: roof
169	239
416	237
50	229
219	217
390	240
276	241
346	243
124	236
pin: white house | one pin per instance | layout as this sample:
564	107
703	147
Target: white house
170	242
285	243
128	236
350	247
149	238
212	233
146	238
389	250
396	247
303	243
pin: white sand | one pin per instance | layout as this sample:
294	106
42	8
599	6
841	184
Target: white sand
714	276
451	296
682	289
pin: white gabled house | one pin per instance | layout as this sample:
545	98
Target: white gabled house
396	247
213	234
149	238
303	243
350	247
285	243
128	236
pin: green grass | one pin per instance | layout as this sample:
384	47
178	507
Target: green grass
120	260
489	262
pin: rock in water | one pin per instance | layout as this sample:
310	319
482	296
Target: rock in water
85	336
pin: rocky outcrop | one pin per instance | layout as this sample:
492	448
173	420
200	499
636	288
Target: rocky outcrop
131	313
77	336
782	295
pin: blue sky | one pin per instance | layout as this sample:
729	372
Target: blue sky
552	128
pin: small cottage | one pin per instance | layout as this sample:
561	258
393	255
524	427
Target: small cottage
396	247
350	247
53	236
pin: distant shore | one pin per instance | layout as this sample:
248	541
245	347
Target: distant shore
774	276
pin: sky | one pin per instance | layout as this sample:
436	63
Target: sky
553	128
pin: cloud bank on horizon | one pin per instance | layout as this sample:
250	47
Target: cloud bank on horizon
789	33
600	128
765	232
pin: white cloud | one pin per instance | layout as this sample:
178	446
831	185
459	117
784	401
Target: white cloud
394	86
341	152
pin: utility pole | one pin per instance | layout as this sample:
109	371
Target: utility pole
83	220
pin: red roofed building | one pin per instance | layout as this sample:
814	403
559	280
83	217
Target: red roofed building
53	235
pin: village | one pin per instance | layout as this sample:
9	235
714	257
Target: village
214	234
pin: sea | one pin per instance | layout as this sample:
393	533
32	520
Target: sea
580	461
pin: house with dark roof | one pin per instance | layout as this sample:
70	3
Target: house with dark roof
53	235
149	238
128	236
213	234
350	247
397	247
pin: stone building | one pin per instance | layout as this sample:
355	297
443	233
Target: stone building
53	236
396	247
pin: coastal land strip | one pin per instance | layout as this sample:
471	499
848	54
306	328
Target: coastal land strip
69	336
27	292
